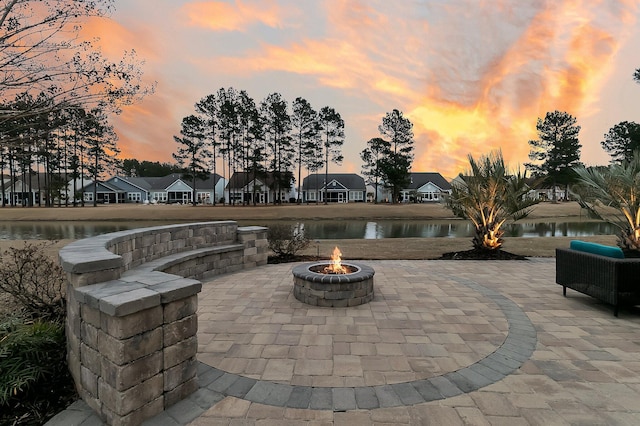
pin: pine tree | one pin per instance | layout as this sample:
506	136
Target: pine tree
622	140
371	157
192	151
332	134
305	130
277	125
557	149
396	162
100	139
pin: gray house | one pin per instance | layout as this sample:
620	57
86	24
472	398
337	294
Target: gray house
425	187
136	189
105	193
172	188
334	188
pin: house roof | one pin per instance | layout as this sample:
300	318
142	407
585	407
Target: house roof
163	182
134	181
242	179
38	180
420	179
102	187
348	180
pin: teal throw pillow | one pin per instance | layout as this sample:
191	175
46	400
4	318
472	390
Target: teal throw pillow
595	248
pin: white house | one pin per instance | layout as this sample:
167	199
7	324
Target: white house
35	188
425	187
256	188
334	188
546	194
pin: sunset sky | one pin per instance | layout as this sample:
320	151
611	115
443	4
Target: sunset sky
471	75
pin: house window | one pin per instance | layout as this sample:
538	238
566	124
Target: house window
160	197
311	196
88	196
355	196
134	197
204	197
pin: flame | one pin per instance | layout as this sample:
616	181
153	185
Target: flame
335	267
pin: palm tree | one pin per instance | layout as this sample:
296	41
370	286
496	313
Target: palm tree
612	194
488	195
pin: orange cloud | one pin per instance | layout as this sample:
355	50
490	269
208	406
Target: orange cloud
478	94
115	38
222	16
146	130
472	76
559	62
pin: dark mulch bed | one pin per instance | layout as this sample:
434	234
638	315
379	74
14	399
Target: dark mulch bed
475	254
472	254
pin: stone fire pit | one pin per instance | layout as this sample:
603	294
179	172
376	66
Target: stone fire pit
314	287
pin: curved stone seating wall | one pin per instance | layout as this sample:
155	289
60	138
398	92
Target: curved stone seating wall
131	311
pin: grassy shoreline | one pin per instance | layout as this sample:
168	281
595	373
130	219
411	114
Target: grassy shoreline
392	248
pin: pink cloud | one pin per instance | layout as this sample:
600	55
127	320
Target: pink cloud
236	16
472	76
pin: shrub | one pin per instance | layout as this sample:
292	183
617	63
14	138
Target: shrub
286	240
34	281
612	194
488	194
34	380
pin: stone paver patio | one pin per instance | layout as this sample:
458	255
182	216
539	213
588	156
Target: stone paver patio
443	343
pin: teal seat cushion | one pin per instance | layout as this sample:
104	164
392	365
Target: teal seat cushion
595	248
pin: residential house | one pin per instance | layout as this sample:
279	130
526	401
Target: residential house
172	188
425	187
105	193
377	193
24	190
35	188
5	185
546	193
334	188
137	189
75	188
256	188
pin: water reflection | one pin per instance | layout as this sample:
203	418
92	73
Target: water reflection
319	229
59	230
562	229
356	229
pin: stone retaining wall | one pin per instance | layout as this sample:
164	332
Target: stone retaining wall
131	311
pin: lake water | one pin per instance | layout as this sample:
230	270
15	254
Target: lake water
319	229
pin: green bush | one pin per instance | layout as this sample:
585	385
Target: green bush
35	383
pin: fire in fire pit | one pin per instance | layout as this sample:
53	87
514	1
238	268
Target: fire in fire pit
335	266
318	284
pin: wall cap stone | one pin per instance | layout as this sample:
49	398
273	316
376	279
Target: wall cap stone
251	229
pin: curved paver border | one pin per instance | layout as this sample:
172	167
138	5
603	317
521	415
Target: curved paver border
216	384
517	347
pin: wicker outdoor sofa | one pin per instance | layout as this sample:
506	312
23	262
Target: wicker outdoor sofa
612	280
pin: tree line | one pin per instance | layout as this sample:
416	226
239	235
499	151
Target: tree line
272	138
258	139
57	93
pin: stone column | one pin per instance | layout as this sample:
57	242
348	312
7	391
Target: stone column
256	247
